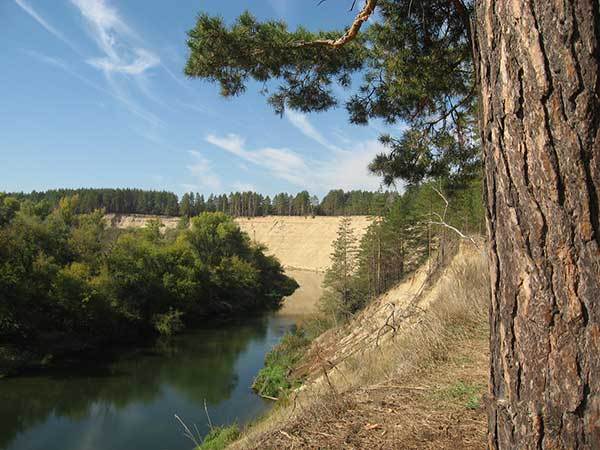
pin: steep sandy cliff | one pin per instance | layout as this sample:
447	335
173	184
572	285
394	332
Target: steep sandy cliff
138	220
300	242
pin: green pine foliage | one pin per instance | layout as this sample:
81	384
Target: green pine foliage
352	203
68	282
406	233
252	204
118	201
236	204
340	299
253	50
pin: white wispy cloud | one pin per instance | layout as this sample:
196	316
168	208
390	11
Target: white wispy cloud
189	187
243	187
341	136
142	61
116	39
301	122
124	60
280	162
204	173
347	166
25	6
232	143
346	169
349	170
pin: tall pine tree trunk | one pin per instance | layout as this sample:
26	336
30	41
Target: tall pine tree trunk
538	66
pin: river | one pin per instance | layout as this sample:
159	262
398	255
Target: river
127	401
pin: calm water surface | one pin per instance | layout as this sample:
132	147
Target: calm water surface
129	403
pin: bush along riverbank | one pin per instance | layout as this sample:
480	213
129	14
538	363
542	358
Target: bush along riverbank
68	283
275	379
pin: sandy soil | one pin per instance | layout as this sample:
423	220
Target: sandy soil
300	242
124	221
305	299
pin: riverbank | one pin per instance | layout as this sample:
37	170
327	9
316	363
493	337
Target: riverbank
408	372
18	361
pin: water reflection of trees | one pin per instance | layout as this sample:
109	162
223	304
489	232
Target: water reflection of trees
199	366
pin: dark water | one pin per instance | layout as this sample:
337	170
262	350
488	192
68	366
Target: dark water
129	403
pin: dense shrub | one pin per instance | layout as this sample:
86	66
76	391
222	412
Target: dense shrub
274	379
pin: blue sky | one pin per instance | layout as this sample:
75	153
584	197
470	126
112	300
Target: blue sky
93	95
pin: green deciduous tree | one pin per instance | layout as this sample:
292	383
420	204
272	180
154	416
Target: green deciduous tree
68	282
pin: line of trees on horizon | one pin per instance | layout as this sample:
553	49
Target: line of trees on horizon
238	204
119	201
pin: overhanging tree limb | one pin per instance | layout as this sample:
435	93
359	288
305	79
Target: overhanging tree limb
350	34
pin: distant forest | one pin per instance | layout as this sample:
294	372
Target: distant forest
244	204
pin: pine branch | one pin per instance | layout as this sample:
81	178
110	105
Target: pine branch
350	34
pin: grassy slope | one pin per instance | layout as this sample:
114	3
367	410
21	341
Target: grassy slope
421	388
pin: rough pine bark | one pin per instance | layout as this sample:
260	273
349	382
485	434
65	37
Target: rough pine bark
538	68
